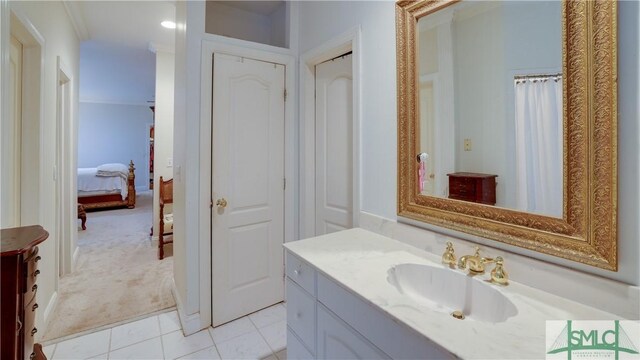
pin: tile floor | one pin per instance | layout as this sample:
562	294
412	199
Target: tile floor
261	335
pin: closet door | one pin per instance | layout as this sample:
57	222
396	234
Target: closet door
248	186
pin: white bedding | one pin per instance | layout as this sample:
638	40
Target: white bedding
89	183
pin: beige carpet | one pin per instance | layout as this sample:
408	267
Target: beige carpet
118	275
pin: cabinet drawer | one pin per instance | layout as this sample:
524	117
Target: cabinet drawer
300	272
295	349
301	314
337	340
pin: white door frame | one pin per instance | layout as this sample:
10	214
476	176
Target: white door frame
262	53
348	41
67	226
36	175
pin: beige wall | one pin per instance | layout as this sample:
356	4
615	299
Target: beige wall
163	131
50	19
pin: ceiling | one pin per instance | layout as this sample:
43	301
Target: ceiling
116	65
128	23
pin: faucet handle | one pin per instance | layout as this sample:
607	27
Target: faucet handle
449	256
499	274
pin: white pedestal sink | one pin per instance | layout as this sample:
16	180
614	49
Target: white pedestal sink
447	290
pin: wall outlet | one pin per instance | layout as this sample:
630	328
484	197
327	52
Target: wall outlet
169	162
467	144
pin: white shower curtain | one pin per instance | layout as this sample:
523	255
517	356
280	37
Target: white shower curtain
539	148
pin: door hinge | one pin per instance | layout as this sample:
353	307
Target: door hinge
284	184
211	204
285	94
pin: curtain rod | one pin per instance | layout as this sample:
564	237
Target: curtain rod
536	76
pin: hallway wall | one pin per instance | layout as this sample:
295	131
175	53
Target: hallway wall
163	131
53	23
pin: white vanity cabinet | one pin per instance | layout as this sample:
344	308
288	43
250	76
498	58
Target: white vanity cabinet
326	321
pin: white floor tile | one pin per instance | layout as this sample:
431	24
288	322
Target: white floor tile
176	345
276	335
148	349
169	322
282	355
134	332
247	346
48	350
83	347
230	330
208	353
269	316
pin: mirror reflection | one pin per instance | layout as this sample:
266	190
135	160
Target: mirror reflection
490	104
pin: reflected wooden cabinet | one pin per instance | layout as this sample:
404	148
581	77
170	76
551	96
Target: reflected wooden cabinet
474	187
20	272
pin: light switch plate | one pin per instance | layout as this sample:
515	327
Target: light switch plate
169	162
467	144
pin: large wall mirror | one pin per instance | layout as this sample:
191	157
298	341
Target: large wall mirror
507	122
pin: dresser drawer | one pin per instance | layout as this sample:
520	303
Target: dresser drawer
301	314
295	349
301	273
462	187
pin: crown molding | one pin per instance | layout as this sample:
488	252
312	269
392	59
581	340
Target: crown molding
77	18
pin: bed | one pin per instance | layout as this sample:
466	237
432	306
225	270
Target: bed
107	186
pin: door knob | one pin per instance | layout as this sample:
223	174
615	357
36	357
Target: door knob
221	203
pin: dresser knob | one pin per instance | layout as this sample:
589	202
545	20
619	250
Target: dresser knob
34	287
34	331
38	258
36	273
34	307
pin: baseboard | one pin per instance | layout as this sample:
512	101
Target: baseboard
191	324
74	259
51	306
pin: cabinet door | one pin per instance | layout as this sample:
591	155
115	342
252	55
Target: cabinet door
337	340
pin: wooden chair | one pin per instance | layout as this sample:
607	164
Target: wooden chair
166	220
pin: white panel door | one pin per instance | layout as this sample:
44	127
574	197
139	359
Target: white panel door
334	145
11	142
248	186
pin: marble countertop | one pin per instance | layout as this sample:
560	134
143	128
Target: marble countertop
359	260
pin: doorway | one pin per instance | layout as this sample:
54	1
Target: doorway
330	136
334	144
248	185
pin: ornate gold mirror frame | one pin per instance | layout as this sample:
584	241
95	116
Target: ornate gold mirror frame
587	233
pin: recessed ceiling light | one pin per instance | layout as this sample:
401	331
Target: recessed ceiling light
168	24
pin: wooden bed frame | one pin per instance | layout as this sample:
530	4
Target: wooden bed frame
113	200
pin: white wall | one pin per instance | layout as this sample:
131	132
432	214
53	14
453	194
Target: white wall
52	22
321	21
163	131
115	133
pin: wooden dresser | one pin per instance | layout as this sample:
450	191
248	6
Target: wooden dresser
474	187
19	271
